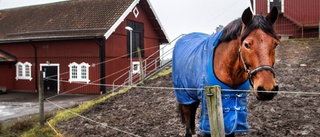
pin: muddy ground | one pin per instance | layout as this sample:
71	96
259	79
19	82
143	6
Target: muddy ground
152	112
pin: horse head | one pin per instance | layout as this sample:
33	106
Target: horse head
257	52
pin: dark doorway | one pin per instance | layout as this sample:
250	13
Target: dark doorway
137	38
50	83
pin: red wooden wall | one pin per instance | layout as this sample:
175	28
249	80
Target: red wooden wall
64	52
57	52
7	75
24	53
304	11
300	17
116	46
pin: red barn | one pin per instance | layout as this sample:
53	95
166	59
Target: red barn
81	45
297	19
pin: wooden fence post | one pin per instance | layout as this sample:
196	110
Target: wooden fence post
41	99
214	105
141	65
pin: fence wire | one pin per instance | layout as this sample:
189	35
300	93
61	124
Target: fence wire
195	89
102	124
105	125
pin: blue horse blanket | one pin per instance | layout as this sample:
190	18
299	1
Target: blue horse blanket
192	68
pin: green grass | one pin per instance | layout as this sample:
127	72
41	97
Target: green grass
162	73
16	127
64	115
29	126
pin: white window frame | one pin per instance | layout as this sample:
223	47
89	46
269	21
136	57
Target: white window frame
136	70
268	6
254	7
77	75
282	6
25	69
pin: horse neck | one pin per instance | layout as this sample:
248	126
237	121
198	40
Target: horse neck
227	65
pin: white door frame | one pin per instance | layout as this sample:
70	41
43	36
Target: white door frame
58	73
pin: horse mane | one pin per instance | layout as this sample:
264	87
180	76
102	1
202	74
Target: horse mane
233	30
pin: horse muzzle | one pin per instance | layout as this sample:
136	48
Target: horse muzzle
264	96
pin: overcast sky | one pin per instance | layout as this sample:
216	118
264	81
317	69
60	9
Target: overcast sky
178	16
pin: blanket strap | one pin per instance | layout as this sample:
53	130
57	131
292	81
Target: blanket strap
256	70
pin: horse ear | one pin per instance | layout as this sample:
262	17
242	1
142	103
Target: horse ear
246	16
273	15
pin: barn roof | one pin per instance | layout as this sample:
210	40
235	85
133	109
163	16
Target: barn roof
71	19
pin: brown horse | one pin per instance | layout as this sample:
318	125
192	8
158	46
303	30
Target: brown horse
245	52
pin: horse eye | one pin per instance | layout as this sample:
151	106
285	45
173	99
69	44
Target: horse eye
246	45
276	45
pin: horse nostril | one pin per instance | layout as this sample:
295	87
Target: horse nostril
265	95
260	88
275	88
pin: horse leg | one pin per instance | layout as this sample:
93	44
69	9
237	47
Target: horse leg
185	112
193	111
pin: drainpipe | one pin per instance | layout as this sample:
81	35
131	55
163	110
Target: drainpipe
101	43
302	30
103	65
36	64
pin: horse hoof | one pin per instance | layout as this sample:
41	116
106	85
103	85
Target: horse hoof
188	135
203	135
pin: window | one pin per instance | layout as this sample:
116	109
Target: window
27	70
275	3
137	38
23	71
135	67
79	72
83	72
74	71
19	69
